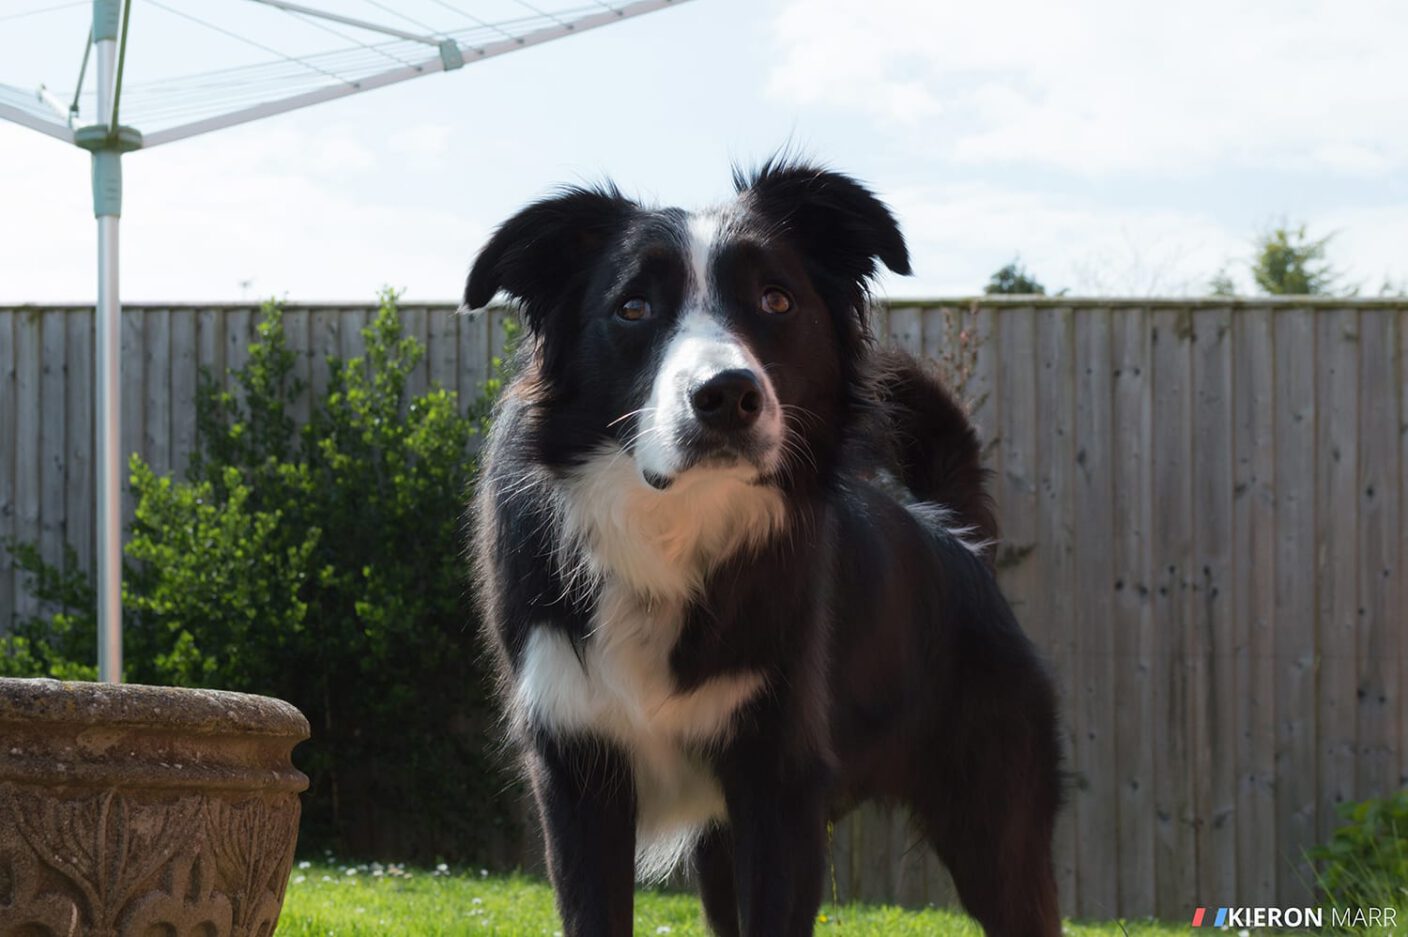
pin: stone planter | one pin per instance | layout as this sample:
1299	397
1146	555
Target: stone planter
135	811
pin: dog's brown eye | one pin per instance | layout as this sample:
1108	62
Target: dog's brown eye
775	301
634	309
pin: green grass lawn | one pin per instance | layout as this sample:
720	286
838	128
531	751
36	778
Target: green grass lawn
331	901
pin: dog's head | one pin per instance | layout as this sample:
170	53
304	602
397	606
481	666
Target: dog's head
726	340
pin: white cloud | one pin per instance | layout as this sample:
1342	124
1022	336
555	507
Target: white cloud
1108	142
426	146
238	216
1099	85
1369	247
962	233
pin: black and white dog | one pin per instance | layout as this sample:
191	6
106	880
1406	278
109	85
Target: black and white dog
717	624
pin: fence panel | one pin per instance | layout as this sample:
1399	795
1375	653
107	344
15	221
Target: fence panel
1205	517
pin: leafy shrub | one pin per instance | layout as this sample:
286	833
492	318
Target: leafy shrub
1365	863
58	645
323	565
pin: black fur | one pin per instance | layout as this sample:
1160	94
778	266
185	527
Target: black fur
922	433
894	669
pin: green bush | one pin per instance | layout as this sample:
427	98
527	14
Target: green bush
323	565
61	644
1365	863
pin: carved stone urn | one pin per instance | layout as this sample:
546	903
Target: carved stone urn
137	811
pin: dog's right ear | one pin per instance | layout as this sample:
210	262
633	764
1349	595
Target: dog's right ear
542	253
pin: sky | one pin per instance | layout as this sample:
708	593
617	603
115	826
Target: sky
1117	147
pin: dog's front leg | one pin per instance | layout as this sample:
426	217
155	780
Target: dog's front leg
778	815
586	801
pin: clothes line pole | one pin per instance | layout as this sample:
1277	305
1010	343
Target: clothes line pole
106	148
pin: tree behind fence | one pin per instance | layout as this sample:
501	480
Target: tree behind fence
1205	510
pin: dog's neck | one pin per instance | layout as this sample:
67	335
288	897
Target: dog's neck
661	545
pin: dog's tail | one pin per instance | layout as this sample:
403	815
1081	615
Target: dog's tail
924	436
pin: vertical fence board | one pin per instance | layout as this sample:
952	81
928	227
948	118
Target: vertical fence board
982	385
472	330
1400	380
1254	571
951	336
934	332
1093	671
442	347
907	330
847	867
939	889
1337	539
1211	628
1295	600
156	365
299	344
324	343
239	331
133	410
911	852
53	381
879	314
838	851
1055	415
1380	631
183	389
210	344
351	342
9	450
981	390
874	862
1015	486
1131	544
1176	884
27	459
413	321
79	504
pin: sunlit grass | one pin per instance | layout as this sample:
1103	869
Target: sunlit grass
366	900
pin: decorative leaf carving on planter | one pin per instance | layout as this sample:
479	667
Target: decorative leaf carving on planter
25	906
252	843
189	905
105	845
106	865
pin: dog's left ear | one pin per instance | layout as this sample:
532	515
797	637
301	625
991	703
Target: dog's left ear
838	223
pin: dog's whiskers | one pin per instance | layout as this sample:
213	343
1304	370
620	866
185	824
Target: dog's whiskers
627	416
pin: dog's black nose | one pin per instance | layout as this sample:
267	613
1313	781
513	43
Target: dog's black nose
730	400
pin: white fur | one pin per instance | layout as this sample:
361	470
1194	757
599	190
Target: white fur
658	543
621	690
646	552
703	232
940	518
700	347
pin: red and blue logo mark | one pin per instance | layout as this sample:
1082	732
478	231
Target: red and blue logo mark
1199	914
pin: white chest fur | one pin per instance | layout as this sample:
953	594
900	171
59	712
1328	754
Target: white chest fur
644	553
621	690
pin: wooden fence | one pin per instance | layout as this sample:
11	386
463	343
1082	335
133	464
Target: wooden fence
1205	508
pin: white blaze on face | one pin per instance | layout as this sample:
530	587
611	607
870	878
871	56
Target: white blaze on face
701	346
703	233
